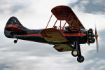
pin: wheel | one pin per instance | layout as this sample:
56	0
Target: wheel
80	59
74	53
15	41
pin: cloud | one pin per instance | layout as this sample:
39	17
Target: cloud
30	13
97	59
27	55
30	55
90	6
4	66
101	47
11	7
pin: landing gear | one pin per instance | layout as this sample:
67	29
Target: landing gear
15	41
74	53
77	52
80	59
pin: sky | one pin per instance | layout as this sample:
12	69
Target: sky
34	14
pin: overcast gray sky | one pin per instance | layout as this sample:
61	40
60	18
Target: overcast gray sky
34	14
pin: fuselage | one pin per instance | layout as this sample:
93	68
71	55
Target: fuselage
35	35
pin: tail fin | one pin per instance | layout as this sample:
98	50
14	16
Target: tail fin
13	27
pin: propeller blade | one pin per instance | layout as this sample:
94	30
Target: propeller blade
96	37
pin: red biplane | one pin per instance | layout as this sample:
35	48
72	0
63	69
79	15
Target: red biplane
64	38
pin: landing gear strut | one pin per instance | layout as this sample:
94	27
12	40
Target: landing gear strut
77	52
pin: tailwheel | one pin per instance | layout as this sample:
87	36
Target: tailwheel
15	41
74	53
80	59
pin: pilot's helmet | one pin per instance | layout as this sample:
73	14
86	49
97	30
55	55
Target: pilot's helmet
67	28
55	27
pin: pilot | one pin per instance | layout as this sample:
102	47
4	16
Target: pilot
67	29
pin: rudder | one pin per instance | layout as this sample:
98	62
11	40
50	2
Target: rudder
13	27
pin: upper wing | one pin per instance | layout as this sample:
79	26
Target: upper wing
53	35
66	13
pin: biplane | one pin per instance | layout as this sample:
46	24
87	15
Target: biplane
66	37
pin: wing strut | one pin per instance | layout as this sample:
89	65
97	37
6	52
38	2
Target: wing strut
60	24
55	23
49	21
64	26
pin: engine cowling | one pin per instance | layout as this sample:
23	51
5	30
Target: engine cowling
90	36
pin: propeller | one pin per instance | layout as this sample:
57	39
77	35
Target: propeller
96	37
